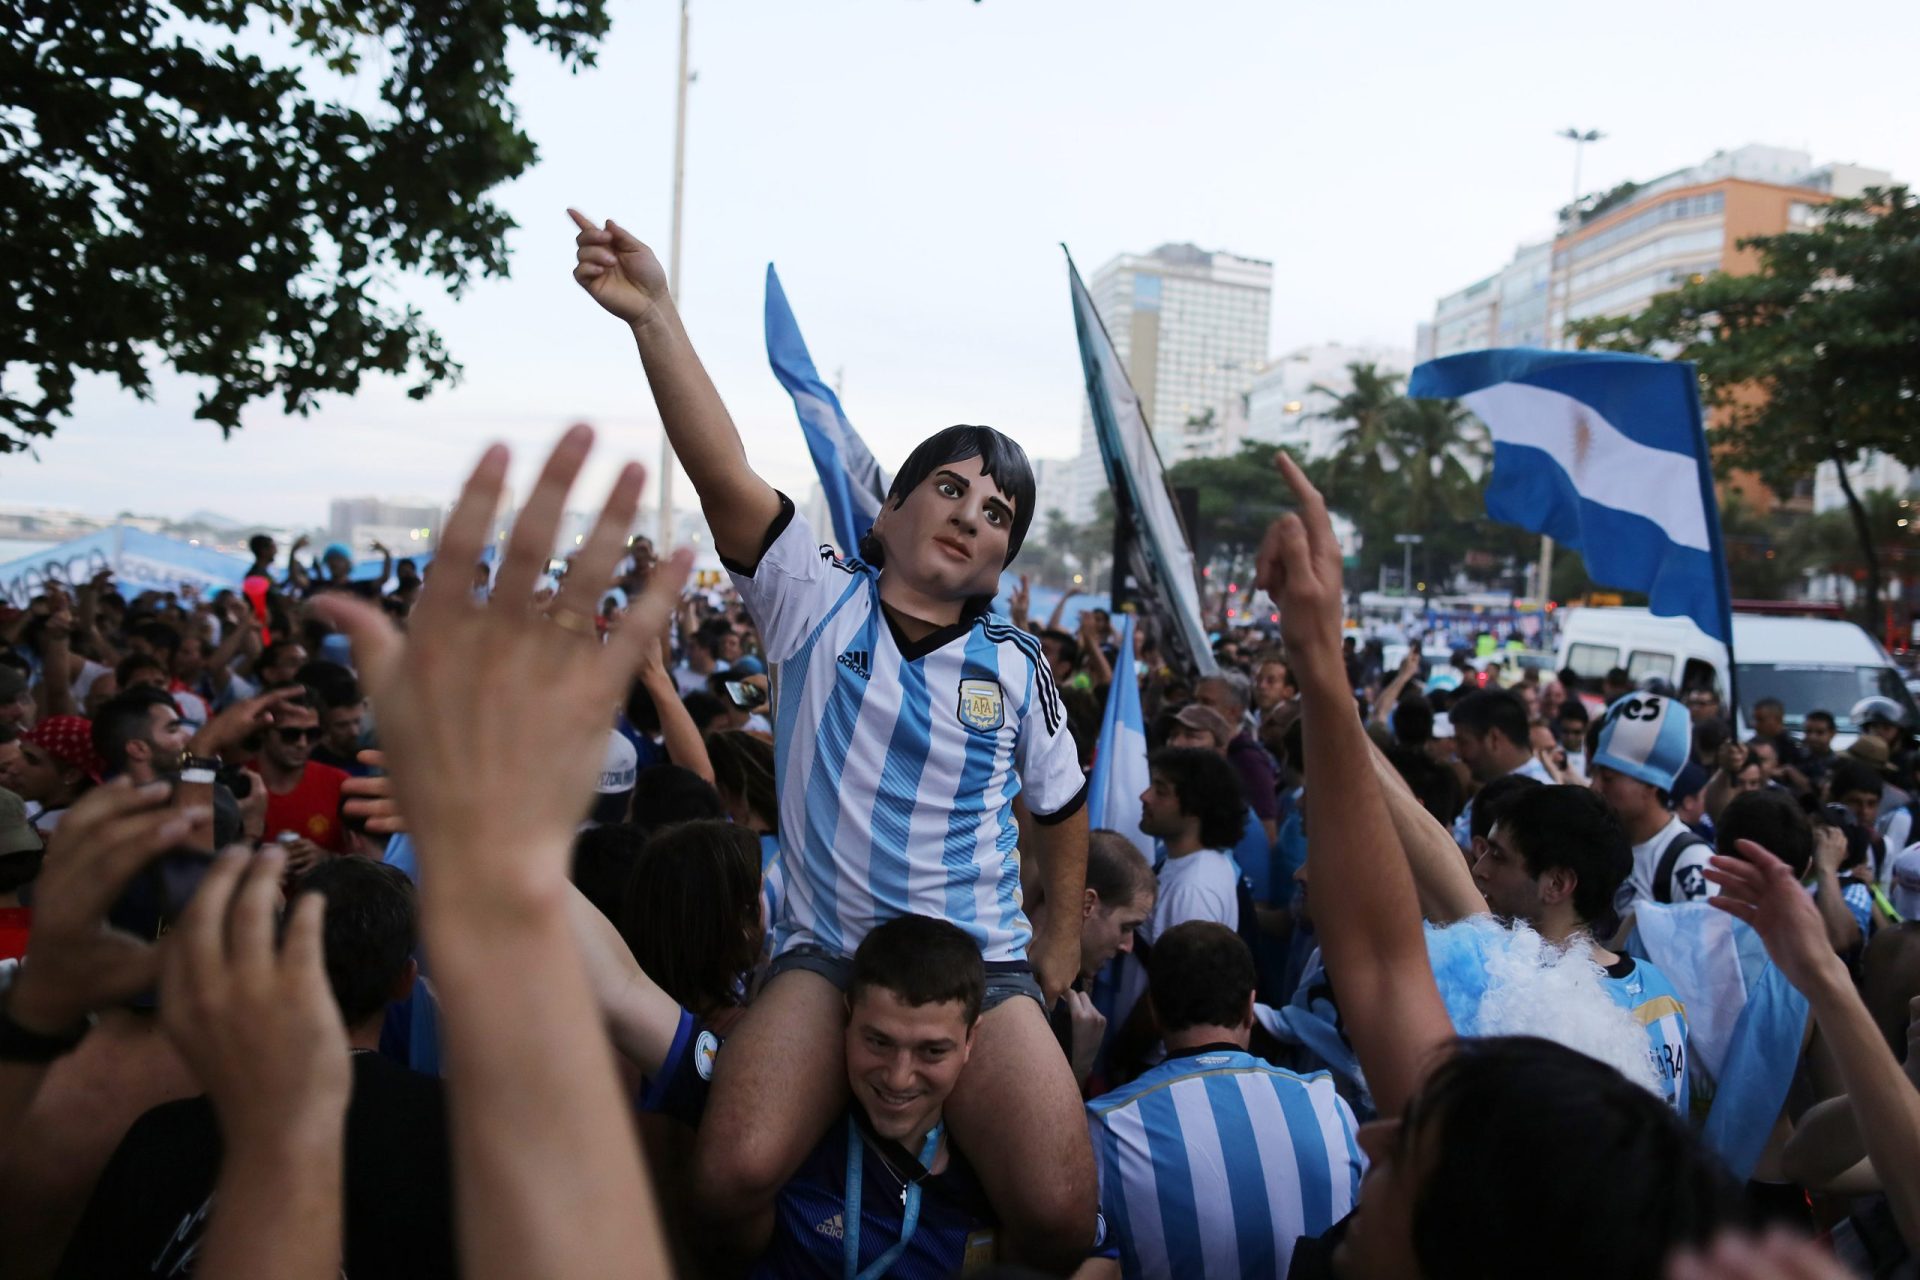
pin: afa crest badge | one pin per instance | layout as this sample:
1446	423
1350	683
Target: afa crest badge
982	705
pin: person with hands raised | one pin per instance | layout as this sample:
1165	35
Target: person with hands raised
911	720
494	719
262	1033
76	963
1469	1130
1761	890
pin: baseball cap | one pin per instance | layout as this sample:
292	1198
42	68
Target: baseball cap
1647	737
1206	720
750	665
1903	883
613	791
16	833
68	739
336	549
1689	782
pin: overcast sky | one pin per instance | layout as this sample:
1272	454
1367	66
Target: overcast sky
913	165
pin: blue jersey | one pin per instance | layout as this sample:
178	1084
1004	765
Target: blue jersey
1642	990
955	1230
899	760
1213	1163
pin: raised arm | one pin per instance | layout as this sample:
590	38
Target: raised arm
1364	904
685	746
1759	889
1440	875
549	1178
1390	696
623	276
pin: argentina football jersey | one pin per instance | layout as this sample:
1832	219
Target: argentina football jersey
898	760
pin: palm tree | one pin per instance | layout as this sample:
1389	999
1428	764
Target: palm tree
1439	449
1365	408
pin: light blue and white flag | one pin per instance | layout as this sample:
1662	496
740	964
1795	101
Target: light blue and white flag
1745	1021
140	561
1603	452
1162	559
1120	759
853	482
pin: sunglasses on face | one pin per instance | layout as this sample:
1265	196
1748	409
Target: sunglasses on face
297	735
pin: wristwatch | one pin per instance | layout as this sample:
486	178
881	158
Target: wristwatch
18	1044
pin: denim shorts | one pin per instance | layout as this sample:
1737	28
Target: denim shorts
1005	978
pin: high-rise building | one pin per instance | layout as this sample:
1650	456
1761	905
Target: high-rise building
1289	398
1191	327
1619	249
1624	246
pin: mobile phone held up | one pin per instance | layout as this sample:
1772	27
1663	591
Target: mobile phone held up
747	697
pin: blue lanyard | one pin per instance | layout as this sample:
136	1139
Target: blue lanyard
909	1199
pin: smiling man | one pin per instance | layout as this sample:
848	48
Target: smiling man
909	720
885	1192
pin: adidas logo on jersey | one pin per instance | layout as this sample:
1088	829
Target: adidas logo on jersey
833	1228
855	660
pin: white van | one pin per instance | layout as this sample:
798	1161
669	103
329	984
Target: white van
1809	664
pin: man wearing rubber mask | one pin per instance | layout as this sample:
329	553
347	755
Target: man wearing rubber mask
909	718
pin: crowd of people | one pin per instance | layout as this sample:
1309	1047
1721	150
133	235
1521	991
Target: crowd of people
510	923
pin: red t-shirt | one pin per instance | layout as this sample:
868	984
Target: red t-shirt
312	809
14	925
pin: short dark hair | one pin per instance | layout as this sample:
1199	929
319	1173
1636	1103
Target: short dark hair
1492	709
125	718
271	654
1413	721
160	636
1709	736
1824	717
1433	784
1487	801
1573	709
306	696
1200	975
1208	788
1507	1107
1772	819
1116	870
1069	646
133	664
335	685
603	858
1853	775
691	911
923	961
704	707
261	546
743	766
1769	704
664	794
1571	827
1001	460
371	929
1616	675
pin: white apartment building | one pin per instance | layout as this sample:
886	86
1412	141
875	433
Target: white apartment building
1289	397
1191	326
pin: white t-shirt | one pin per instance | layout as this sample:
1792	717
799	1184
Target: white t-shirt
1689	882
1200	886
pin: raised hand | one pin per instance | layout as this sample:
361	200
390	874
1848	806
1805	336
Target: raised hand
617	270
493	715
240	721
77	962
257	1024
1299	569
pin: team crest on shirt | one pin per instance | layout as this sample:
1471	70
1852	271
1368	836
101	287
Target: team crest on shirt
982	705
705	1047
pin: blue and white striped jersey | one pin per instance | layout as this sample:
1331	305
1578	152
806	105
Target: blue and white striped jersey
1213	1163
898	761
1642	990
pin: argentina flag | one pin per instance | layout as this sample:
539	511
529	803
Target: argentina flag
1120	759
1603	452
853	482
